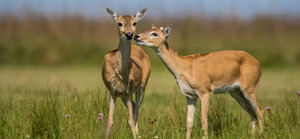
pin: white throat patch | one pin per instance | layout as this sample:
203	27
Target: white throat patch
144	43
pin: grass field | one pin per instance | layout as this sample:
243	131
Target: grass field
45	102
39	101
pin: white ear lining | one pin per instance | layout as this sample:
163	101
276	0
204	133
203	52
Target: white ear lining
140	14
167	32
112	14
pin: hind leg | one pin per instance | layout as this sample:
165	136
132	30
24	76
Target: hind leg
259	111
247	104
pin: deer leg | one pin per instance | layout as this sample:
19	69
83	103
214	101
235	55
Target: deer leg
204	97
247	105
138	100
112	102
130	112
142	93
136	111
140	96
124	100
192	102
259	111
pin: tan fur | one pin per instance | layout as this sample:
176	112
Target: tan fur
127	22
200	75
125	71
138	74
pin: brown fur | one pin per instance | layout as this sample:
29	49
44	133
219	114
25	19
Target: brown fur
125	71
200	75
139	71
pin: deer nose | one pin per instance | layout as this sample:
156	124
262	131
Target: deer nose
136	37
129	35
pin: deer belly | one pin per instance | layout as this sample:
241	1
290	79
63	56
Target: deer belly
226	88
185	88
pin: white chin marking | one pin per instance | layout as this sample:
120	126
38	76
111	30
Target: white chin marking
144	43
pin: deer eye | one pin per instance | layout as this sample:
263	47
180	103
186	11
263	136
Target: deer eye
154	34
134	23
120	24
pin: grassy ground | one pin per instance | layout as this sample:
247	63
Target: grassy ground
65	102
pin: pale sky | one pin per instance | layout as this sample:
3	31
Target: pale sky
156	8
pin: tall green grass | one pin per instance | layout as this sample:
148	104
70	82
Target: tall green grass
46	117
37	110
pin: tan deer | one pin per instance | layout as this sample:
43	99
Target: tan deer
200	75
126	70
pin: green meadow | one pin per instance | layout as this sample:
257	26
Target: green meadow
64	102
51	85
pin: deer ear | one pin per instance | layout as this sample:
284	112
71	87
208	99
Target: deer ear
140	14
112	14
167	31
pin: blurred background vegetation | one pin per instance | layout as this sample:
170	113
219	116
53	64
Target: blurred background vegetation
51	52
31	38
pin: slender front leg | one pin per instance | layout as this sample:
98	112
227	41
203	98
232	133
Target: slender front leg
136	110
112	102
204	110
138	102
130	111
192	102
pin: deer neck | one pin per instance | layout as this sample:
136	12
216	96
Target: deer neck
171	59
125	50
